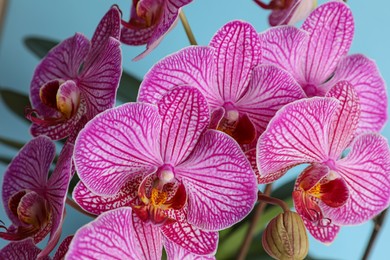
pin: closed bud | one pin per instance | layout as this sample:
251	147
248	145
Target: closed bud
285	237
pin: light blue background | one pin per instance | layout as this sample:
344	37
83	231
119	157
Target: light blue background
61	19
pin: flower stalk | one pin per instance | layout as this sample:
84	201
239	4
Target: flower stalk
187	28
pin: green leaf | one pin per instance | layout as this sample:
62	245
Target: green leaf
39	46
128	88
15	101
11	143
5	160
230	245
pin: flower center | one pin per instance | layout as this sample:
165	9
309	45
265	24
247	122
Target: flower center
147	13
275	4
62	99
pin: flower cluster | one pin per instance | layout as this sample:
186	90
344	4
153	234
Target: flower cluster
210	124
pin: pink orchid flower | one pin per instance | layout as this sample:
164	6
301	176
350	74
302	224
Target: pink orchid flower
242	94
182	181
316	56
287	11
36	203
149	21
336	189
76	80
27	250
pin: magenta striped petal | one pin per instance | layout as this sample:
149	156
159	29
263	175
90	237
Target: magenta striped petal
370	87
237	52
345	120
96	204
148	239
366	171
270	88
23	250
190	66
62	62
174	251
117	144
136	36
63	248
220	183
326	234
28	171
110	236
184	115
331	28
285	47
100	77
109	26
297	134
191	238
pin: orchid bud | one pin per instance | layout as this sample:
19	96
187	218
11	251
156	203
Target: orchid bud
285	237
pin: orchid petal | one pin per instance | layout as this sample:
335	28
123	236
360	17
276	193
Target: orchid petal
28	171
366	172
136	36
174	251
190	66
57	187
189	237
221	186
364	76
96	204
324	233
184	114
110	236
345	120
62	62
270	89
23	250
63	248
285	47
297	134
331	28
109	26
237	52
117	144
100	76
148	238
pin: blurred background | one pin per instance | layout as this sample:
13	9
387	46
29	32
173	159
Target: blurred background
58	20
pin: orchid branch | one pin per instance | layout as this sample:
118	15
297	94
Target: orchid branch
75	206
378	221
249	235
187	28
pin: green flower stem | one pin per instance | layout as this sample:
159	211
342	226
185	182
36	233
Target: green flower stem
249	235
187	28
378	221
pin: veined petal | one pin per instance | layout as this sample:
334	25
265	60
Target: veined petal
28	171
109	26
190	66
96	204
323	233
331	28
57	188
364	76
63	248
366	171
110	236
136	36
270	89
345	120
220	183
191	238
117	144
184	115
174	251
100	77
148	238
23	250
62	62
297	134
285	46
237	51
